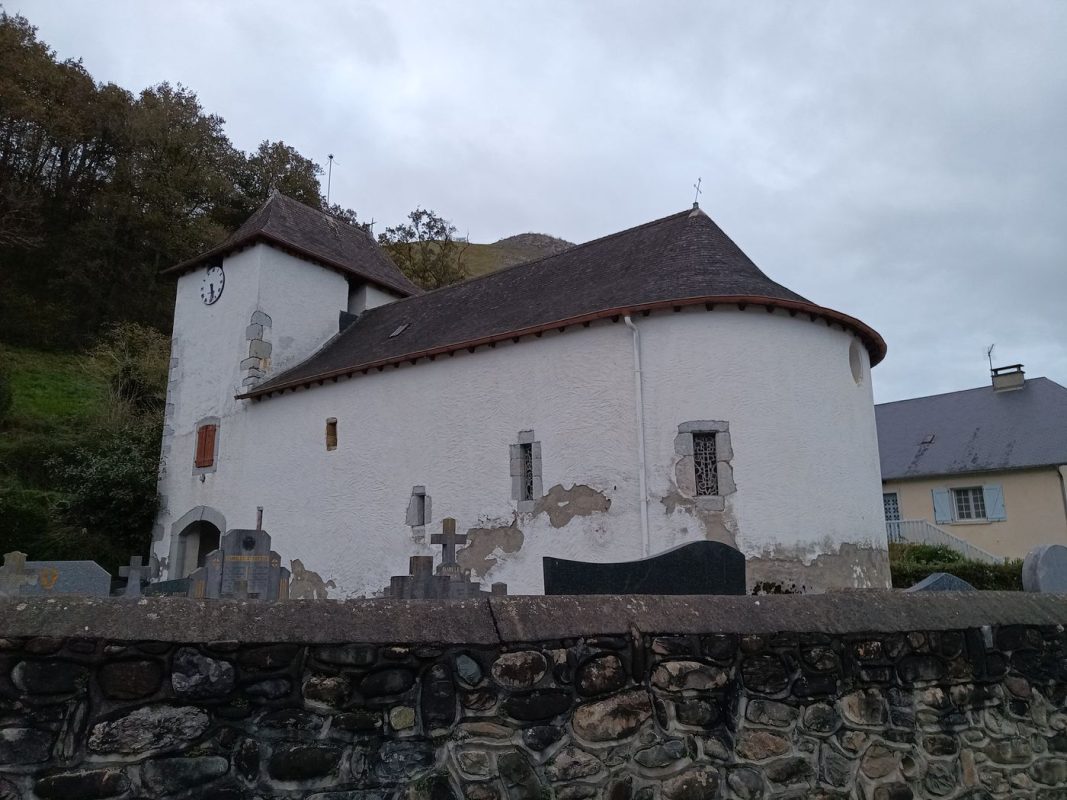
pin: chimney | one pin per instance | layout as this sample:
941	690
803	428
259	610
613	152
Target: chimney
1006	379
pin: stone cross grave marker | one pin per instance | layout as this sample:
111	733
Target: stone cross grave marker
1045	569
132	573
695	568
13	575
448	539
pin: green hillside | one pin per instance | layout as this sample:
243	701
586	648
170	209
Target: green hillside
480	259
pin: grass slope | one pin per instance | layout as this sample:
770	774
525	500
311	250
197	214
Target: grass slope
51	390
483	258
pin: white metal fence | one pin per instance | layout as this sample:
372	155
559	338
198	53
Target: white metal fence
919	531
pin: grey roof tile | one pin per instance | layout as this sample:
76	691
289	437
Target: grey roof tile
976	430
314	235
682	258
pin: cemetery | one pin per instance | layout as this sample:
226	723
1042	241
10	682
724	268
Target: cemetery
657	679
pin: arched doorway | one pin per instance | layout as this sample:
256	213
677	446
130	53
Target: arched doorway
193	536
201	538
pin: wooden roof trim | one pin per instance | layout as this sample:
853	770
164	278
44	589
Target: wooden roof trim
871	339
282	244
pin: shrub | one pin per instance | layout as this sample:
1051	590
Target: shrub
25	518
110	499
912	563
7	397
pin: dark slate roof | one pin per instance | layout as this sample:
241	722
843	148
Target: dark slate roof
977	430
314	235
683	259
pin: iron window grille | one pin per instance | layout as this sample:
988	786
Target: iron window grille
705	464
527	471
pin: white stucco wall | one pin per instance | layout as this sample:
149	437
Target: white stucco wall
805	453
364	296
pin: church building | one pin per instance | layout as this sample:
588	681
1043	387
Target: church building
643	390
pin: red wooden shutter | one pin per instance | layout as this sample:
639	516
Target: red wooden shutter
205	446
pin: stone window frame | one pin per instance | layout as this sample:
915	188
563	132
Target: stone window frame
525	504
420	501
214	465
685	469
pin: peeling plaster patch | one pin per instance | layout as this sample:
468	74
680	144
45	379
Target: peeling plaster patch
563	505
852	566
307	585
485	546
717	523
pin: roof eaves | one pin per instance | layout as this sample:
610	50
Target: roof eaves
872	340
281	243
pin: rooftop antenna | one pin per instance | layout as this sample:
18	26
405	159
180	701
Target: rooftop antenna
329	177
696	197
989	355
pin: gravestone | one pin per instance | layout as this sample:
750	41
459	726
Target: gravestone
243	568
13	575
1045	569
451	582
132	574
85	578
941	582
695	568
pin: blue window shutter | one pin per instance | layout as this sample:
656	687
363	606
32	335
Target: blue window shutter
994	503
942	505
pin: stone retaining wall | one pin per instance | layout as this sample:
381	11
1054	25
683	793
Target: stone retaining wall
872	695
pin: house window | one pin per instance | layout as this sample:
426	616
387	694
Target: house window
331	434
705	464
526	486
969	503
206	436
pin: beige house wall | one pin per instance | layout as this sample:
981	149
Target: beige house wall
1034	506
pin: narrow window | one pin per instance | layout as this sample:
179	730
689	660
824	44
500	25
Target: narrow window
705	464
420	509
331	434
205	446
526	451
970	503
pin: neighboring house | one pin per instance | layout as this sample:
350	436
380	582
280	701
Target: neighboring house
987	465
634	393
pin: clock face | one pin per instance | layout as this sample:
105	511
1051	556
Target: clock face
211	287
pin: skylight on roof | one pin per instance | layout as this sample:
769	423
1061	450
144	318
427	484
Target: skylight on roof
399	330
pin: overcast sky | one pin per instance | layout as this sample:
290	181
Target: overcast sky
905	163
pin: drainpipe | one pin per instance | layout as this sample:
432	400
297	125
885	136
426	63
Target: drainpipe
639	404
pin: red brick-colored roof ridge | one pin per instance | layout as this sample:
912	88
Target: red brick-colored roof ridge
681	260
314	235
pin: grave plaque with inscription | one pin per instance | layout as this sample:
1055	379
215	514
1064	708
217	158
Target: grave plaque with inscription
85	578
696	568
243	568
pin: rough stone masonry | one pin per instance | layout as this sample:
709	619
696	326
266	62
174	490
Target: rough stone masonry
872	695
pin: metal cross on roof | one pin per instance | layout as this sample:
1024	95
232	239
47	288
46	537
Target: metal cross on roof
448	539
696	197
14	574
132	573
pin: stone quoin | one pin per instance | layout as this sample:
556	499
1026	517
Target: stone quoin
604	404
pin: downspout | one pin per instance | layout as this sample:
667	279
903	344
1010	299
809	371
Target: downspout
639	406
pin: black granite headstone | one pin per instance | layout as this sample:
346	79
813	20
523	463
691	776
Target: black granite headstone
695	568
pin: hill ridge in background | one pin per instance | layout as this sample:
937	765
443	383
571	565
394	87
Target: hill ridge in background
482	258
